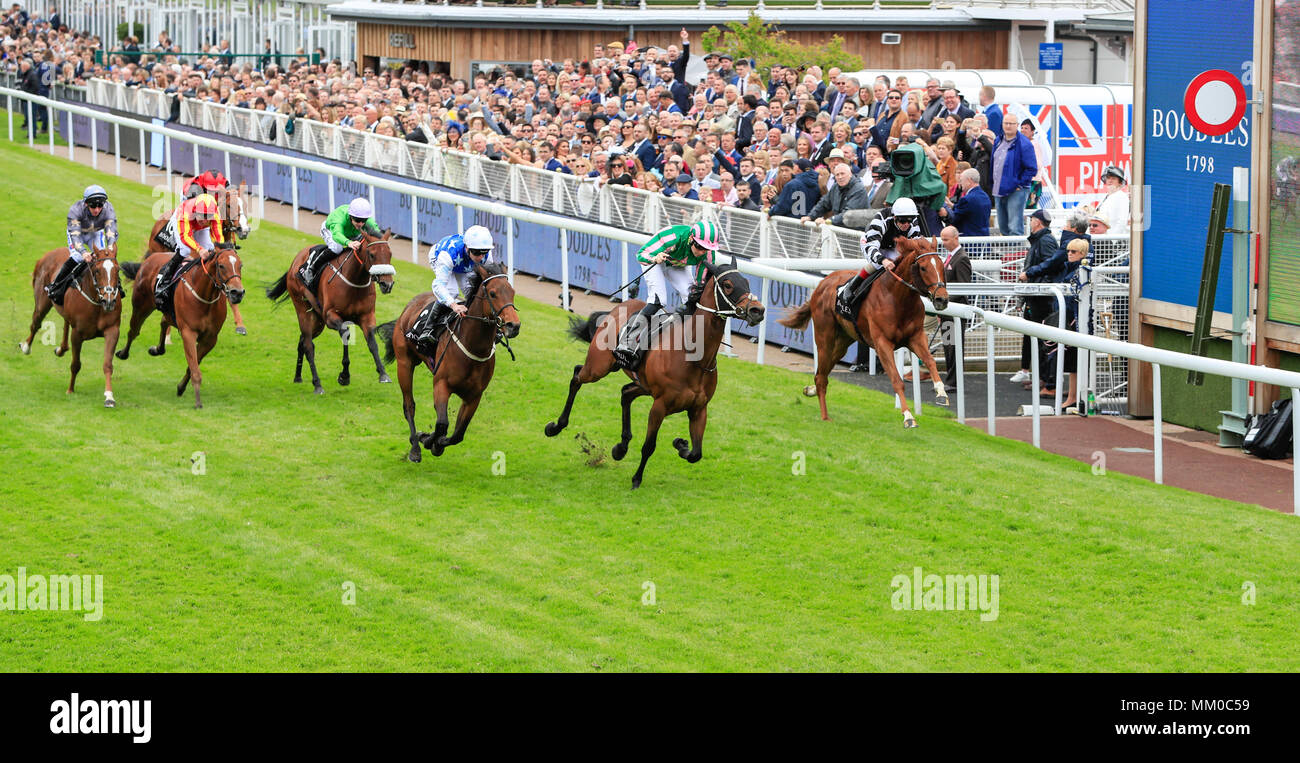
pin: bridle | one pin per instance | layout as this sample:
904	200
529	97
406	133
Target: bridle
222	285
370	270
494	318
719	296
106	293
916	265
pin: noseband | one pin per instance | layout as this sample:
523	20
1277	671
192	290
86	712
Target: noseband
916	264
719	296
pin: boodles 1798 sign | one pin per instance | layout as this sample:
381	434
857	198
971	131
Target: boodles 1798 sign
1198	127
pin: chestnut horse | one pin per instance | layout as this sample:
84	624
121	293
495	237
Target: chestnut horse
463	360
892	315
234	223
344	294
680	371
198	301
96	310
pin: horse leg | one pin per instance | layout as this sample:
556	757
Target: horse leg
463	417
345	377
190	341
435	442
76	360
309	345
297	371
921	348
657	412
830	348
110	342
405	371
138	313
699	418
239	319
62	349
368	329
575	384
161	347
885	354
43	305
631	391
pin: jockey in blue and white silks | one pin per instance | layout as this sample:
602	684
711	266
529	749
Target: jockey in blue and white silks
453	259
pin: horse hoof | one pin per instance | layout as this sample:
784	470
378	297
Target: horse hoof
110	403
198	405
344	380
682	446
910	424
636	482
319	390
810	391
241	331
619	451
122	354
297	380
60	351
414	456
942	401
552	429
156	351
25	347
383	379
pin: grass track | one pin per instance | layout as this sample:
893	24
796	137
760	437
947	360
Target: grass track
241	569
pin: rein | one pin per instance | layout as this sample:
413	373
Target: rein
494	319
916	264
221	285
370	279
94	279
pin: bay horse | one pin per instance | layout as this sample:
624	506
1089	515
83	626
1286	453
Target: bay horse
234	224
198	304
680	369
892	315
343	294
96	310
463	359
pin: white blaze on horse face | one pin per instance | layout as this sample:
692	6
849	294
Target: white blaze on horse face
233	269
108	272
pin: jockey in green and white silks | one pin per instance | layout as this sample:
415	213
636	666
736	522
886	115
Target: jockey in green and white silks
91	223
673	257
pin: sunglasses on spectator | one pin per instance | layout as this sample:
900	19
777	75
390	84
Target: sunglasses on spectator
894	98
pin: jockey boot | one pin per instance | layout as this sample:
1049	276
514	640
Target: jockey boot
636	333
429	331
307	273
165	273
687	307
849	290
67	274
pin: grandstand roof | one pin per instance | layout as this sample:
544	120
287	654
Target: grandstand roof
610	15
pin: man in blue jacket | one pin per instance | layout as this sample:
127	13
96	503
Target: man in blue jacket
970	215
1014	167
800	195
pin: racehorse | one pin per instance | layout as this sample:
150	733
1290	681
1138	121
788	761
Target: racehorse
87	316
892	315
197	303
463	359
680	370
234	223
343	294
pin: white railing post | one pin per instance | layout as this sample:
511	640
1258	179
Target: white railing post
460	219
1033	388
959	348
510	250
916	382
117	149
623	275
293	183
31	124
564	265
9	110
72	138
992	378
415	223
1158	420
764	292
94	144
261	191
144	159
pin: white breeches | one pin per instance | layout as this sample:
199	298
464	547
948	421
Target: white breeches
333	245
658	277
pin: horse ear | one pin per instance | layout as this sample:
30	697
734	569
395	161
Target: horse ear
388	233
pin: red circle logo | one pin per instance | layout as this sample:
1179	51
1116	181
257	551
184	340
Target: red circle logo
1215	102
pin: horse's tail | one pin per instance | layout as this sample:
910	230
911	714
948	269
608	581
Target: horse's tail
585	329
278	291
384	332
130	269
797	318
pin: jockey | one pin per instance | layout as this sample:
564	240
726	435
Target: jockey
664	260
211	182
194	228
341	230
89	219
453	259
878	245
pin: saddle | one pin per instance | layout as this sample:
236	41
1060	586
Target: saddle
847	305
165	291
636	337
434	325
313	265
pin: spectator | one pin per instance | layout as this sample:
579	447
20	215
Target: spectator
1114	208
1041	266
800	194
970	215
988	106
1014	168
845	193
956	269
745	199
881	184
883	134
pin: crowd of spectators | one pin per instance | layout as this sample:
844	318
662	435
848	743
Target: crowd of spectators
792	141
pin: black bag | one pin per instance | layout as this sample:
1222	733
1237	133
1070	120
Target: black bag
1269	435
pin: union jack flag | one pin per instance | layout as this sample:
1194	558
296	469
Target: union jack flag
1090	137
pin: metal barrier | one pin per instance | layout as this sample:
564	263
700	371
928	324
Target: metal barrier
411	193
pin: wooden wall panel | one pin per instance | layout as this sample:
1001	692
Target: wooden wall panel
920	49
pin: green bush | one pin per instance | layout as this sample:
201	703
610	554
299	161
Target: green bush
141	33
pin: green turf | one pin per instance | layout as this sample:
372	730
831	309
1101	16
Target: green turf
542	568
